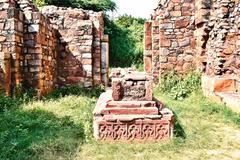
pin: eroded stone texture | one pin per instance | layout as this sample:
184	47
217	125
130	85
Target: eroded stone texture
128	111
11	40
137	129
223	54
132	86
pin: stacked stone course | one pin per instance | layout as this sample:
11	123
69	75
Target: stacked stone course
39	54
51	48
11	39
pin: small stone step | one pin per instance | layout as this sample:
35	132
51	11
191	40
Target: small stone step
136	111
133	104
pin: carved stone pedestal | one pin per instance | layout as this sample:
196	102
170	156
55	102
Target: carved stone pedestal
129	112
131	120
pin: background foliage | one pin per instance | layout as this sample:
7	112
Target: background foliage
180	87
126	41
95	5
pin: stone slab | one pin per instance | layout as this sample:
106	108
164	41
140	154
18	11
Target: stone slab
133	104
121	110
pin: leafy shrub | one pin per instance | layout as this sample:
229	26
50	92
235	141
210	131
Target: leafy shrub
95	5
8	103
126	41
180	87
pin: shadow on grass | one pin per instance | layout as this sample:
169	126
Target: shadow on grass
178	129
25	134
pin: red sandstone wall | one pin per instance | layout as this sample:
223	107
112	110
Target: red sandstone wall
169	42
223	53
39	54
185	35
79	49
75	34
11	39
61	47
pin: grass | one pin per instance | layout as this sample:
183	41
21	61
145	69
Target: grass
60	127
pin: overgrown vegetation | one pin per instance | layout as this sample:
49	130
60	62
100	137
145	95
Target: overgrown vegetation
60	127
51	128
95	5
180	87
126	41
6	103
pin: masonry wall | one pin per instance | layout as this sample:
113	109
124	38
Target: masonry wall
223	52
39	54
47	49
80	35
169	42
11	38
185	35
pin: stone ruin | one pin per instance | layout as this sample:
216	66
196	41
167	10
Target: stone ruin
57	46
185	35
129	112
51	48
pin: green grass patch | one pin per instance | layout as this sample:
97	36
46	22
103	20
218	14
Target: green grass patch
199	134
60	127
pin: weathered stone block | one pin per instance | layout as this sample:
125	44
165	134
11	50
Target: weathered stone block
164	42
148	64
182	23
218	84
132	86
175	13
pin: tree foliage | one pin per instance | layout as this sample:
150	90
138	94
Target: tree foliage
95	5
126	41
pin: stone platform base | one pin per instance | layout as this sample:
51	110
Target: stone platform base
131	120
222	90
